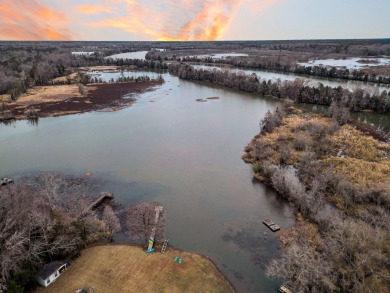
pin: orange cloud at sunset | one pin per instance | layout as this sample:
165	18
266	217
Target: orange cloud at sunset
166	20
175	20
208	24
93	9
30	20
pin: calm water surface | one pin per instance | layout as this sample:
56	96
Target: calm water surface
349	63
221	55
377	120
130	55
185	154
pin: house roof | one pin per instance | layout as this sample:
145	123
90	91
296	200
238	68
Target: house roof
49	269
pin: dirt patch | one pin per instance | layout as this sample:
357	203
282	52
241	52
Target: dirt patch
48	94
48	101
73	77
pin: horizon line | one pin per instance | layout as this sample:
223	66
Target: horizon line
201	41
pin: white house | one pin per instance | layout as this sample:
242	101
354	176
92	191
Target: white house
50	272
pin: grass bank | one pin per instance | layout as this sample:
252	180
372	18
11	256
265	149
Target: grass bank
124	268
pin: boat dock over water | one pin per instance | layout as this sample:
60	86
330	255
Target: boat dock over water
271	225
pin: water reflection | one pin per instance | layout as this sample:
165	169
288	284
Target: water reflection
33	121
185	154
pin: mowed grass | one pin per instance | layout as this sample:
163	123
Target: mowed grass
124	268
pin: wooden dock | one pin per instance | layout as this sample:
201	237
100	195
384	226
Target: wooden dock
158	210
97	202
285	289
164	247
271	225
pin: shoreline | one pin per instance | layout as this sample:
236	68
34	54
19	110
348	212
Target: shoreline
158	248
41	103
332	197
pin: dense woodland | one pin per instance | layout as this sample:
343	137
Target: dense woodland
341	240
47	216
21	68
25	64
297	91
284	56
287	64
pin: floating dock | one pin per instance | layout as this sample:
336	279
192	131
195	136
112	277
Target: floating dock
271	225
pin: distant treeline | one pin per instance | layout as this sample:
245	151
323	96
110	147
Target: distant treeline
297	91
21	70
269	63
285	64
87	79
24	68
25	64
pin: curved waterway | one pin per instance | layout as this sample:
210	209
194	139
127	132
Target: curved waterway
310	80
185	154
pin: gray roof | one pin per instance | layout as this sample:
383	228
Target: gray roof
49	269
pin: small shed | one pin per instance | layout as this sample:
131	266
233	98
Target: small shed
50	272
6	181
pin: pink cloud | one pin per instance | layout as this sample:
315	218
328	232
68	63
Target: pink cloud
94	9
30	20
174	19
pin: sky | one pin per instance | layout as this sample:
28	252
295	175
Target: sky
193	20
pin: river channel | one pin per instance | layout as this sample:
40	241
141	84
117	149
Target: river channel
185	154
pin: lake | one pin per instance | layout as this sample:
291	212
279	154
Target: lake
348	63
169	148
130	55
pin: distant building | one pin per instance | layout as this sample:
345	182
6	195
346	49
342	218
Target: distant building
50	272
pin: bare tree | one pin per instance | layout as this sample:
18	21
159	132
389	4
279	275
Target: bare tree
39	220
139	221
110	218
81	89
